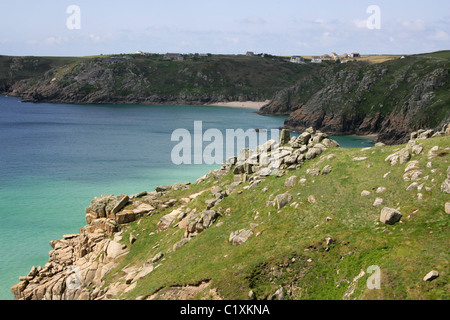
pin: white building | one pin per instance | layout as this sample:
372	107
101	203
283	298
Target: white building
297	59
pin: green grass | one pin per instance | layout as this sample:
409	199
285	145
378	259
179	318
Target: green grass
405	252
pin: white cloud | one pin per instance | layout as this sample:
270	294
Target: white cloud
95	38
55	40
254	20
440	35
416	25
360	24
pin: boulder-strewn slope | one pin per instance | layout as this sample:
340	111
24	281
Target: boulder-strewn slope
298	219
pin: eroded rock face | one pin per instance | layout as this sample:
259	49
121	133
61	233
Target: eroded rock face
75	263
326	106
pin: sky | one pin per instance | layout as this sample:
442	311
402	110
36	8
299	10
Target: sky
278	27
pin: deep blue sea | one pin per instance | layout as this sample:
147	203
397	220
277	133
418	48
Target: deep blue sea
55	158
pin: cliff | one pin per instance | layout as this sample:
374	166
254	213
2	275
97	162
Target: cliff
294	219
151	79
390	99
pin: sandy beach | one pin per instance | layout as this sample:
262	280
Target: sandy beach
254	105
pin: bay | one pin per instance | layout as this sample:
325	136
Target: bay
55	158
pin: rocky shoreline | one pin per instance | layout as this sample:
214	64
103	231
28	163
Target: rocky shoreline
78	262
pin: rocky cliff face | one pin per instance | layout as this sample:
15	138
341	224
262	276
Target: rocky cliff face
133	79
391	99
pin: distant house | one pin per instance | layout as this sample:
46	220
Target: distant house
325	56
250	53
334	55
173	56
343	56
316	60
355	55
297	59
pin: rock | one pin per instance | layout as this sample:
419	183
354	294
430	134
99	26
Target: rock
163	188
147	269
412	175
431	276
239	237
412	165
165	222
285	136
291	181
282	199
264	172
120	204
425	135
157	257
143	208
360	158
251	295
313	172
378	202
445	187
404	156
312	153
180	243
116	250
447	207
327	169
390	216
412	186
381	190
278	295
132	239
303	139
433	152
392	159
417	149
365	193
312	199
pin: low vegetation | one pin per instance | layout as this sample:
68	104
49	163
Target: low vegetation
313	249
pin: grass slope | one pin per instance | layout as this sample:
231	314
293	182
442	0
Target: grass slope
290	249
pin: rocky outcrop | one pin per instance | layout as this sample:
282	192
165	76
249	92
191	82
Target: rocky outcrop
78	262
390	99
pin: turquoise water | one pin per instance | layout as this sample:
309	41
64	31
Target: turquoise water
55	158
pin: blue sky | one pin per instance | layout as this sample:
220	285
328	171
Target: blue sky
282	27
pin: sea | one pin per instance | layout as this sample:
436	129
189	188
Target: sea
55	158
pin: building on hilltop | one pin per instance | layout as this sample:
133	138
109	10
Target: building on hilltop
316	60
250	53
173	56
297	59
355	55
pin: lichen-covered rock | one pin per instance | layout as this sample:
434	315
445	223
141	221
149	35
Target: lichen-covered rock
390	216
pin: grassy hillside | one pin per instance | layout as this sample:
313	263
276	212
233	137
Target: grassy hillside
138	78
390	99
13	69
289	247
